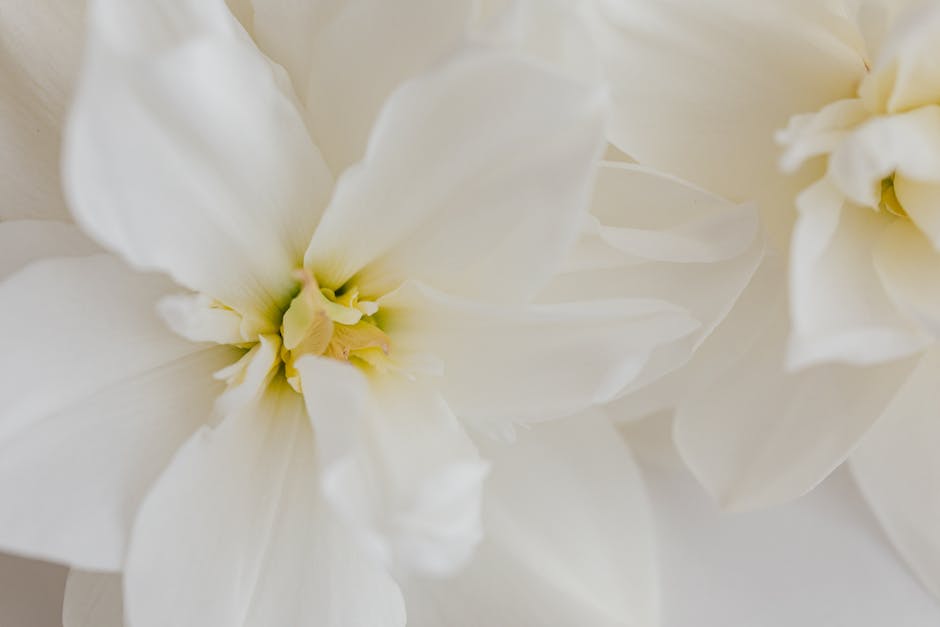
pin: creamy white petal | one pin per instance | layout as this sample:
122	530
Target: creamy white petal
236	532
41	49
921	201
397	465
673	242
905	76
505	364
96	396
839	307
93	600
184	154
819	561
756	435
908	144
363	53
568	538
25	241
475	181
909	266
699	88
898	471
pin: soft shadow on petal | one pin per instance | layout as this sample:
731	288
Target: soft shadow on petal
476	178
568	538
41	43
93	600
185	155
236	532
840	309
30	592
96	396
756	435
699	88
508	364
898	471
25	241
397	464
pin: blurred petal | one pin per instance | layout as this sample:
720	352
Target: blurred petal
235	532
365	52
898	471
662	239
909	266
161	166
25	241
907	144
716	80
475	180
568	538
93	600
97	396
840	309
397	464
41	42
820	560
921	200
505	364
756	435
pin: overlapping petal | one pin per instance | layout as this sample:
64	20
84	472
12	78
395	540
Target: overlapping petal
700	88
75	463
756	435
236	532
397	464
490	219
897	469
25	241
568	538
219	183
506	364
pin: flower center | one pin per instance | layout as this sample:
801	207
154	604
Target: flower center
336	324
889	200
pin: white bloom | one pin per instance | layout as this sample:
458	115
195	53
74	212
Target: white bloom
717	83
445	187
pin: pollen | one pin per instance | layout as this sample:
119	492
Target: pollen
335	324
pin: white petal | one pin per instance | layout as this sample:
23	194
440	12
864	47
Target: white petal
898	471
397	464
364	53
756	435
905	76
93	600
675	243
41	49
161	165
199	319
30	592
840	309
25	241
699	88
568	538
96	396
908	144
922	202
235	532
475	181
506	364
909	266
820	560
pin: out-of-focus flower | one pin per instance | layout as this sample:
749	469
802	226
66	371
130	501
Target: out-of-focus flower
364	208
784	398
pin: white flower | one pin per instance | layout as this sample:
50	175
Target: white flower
445	187
852	369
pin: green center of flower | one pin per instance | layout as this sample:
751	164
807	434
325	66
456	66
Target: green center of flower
336	324
889	201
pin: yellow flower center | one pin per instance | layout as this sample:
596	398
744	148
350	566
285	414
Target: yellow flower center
336	324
